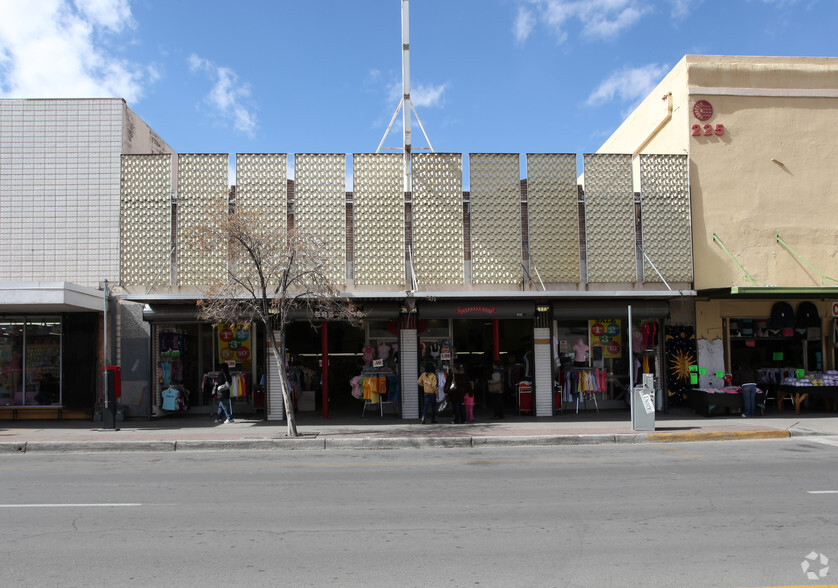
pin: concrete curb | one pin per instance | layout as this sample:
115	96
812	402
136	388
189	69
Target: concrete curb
397	442
12	447
97	446
717	436
806	433
542	440
311	443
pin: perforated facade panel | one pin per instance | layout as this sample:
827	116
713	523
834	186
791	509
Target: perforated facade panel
320	205
665	198
202	196
552	199
145	218
438	218
609	214
262	186
378	188
495	218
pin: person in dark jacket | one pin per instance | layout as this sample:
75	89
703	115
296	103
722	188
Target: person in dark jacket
225	405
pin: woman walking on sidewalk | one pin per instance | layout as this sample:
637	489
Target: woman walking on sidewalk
225	405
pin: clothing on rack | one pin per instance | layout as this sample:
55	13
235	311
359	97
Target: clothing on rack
582	381
174	399
375	386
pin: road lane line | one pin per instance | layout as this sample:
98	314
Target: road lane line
99	505
822	491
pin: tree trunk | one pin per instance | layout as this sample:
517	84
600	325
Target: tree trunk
283	378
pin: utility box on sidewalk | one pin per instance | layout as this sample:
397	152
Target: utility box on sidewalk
643	405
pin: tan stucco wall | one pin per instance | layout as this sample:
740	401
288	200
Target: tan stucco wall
771	172
642	123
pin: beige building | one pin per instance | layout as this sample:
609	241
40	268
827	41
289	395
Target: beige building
760	136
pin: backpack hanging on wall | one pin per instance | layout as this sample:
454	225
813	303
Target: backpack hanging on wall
782	319
808	323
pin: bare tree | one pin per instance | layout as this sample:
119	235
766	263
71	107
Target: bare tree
273	274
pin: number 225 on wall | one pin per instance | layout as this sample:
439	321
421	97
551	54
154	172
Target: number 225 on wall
707	130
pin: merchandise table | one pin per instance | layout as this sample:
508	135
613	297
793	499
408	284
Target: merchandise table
799	393
704	400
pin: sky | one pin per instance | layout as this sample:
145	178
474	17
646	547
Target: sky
324	76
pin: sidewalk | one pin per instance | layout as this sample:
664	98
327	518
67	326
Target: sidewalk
198	432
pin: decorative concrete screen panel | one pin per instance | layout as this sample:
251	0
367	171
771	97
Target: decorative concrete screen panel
202	197
320	205
378	189
262	186
553	213
145	243
665	201
438	218
495	218
609	218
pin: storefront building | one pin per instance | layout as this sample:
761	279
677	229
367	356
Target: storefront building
512	270
758	134
59	230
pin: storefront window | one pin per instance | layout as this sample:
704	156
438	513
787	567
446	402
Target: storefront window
599	349
30	361
11	361
42	361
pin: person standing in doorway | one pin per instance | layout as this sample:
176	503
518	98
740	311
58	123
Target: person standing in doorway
225	404
456	391
495	387
428	383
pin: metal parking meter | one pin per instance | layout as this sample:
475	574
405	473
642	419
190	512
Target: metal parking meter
643	405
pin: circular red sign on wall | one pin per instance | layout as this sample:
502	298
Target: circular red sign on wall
702	110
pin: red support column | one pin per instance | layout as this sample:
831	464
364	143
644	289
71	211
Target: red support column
496	339
324	352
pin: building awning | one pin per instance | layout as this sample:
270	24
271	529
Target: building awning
773	292
49	297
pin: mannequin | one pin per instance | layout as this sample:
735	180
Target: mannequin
580	350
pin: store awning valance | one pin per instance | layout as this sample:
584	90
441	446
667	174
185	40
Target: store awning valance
49	297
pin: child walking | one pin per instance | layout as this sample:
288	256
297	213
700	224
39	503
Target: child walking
469	402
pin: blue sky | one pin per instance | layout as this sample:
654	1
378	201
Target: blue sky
324	75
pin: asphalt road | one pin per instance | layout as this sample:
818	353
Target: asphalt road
694	514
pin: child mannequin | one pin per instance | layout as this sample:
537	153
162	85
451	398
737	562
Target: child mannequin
580	349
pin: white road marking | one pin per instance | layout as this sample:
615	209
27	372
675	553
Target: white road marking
99	505
822	491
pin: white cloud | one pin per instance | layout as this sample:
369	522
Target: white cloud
420	95
227	98
682	8
628	84
598	19
60	49
524	24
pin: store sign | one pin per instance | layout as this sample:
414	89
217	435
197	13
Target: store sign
606	337
835	309
475	310
234	344
703	111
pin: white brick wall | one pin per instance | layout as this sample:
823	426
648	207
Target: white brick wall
59	189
